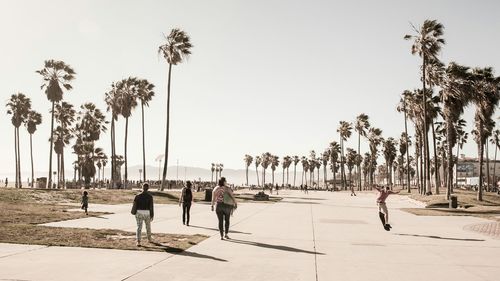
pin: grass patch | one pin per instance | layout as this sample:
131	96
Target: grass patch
468	205
23	211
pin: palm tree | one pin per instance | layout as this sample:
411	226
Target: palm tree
33	119
345	131
65	116
305	168
275	161
427	43
334	156
325	157
296	160
390	154
18	106
145	94
495	140
366	166
128	90
257	162
266	161
461	139
403	109
112	99
213	170
404	143
248	161
374	138
361	125
55	74
287	161
175	51
486	99
318	166
351	157
312	166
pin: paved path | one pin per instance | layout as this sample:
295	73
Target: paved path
318	236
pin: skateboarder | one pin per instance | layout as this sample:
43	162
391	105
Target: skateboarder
383	193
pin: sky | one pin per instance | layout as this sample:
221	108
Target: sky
274	76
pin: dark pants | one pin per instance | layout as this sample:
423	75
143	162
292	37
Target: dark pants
223	212
185	211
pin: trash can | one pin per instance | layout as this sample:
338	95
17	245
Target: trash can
208	195
453	201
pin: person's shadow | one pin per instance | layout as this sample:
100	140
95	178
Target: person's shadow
439	237
215	229
270	246
180	252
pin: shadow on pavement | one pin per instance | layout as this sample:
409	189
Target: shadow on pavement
215	229
304	198
276	247
439	237
180	252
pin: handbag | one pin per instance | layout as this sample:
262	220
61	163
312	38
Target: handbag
228	200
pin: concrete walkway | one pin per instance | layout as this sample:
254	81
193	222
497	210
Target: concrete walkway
315	236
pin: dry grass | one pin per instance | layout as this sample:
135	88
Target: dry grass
23	210
468	205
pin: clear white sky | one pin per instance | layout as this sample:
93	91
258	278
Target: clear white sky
268	75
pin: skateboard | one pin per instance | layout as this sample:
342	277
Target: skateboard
387	227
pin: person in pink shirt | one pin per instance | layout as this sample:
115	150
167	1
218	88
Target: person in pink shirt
383	193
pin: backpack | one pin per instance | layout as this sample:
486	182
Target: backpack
188	195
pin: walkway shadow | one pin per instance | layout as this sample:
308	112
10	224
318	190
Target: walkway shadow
276	247
180	252
304	198
215	229
299	202
439	237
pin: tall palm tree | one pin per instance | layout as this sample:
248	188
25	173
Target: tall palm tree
495	140
275	161
56	75
390	153
176	49
361	125
374	139
325	157
305	168
296	160
461	139
112	99
257	162
402	108
287	161
65	116
404	143
486	98
128	90
19	107
427	43
266	161
248	161
351	157
312	166
366	167
33	119
345	131
334	156
145	94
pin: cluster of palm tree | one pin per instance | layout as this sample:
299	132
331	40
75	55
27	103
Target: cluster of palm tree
217	168
446	91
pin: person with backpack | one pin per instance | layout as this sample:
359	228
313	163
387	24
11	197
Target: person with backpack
225	202
186	199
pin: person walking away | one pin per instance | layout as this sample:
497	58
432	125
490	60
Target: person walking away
6	182
186	199
143	210
85	201
383	193
225	202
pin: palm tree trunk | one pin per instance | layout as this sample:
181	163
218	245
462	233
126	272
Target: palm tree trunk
302	181
495	166
407	148
126	162
257	173
283	180
49	181
426	141
487	167
168	128
287	174
32	168
263	177
113	156
19	160
359	164
325	176
294	173
16	184
436	170
144	146
246	173
272	177
481	152
456	168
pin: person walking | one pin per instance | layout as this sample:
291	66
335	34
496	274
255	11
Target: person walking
225	202
143	210
383	193
186	199
85	201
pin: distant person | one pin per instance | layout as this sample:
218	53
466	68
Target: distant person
85	201
383	193
352	190
143	210
305	189
6	182
223	196
186	199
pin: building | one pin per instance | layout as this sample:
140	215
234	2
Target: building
468	168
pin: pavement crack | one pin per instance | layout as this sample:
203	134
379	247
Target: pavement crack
314	245
24	252
147	267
